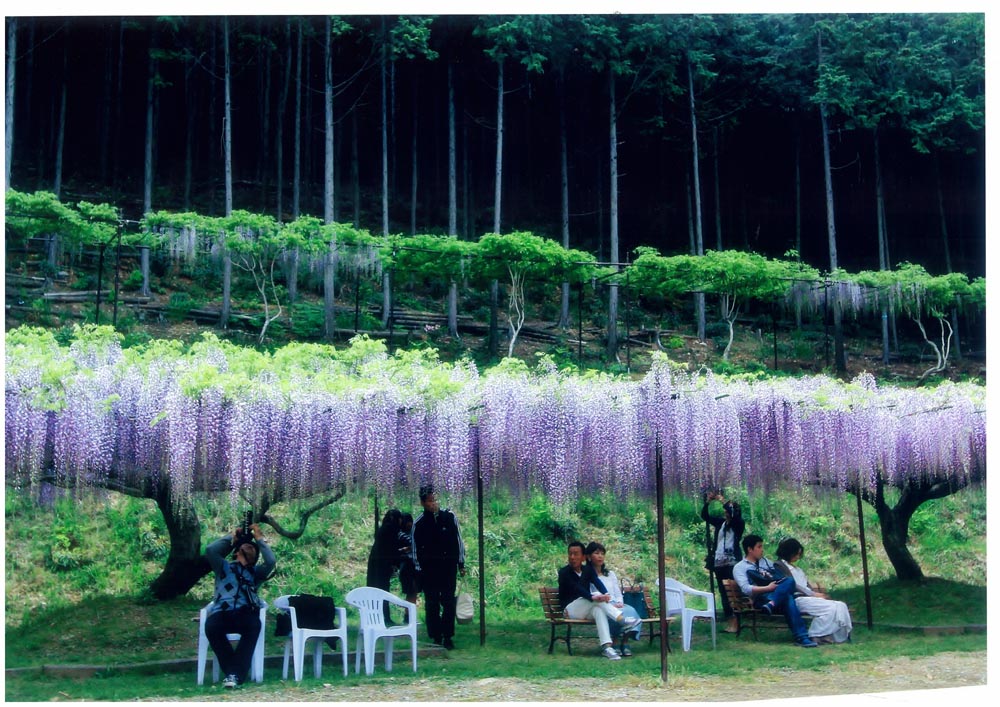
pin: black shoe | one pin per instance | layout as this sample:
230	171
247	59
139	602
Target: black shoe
768	608
449	644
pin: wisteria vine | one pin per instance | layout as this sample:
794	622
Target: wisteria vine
303	420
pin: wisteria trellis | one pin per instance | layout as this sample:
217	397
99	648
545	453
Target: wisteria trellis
213	419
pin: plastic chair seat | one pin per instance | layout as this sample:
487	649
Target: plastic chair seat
256	665
369	602
677	594
299	637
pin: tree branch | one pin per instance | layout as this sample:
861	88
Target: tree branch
304	516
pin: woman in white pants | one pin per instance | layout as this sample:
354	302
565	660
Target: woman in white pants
831	618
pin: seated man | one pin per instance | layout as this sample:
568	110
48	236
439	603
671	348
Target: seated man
578	602
768	590
236	606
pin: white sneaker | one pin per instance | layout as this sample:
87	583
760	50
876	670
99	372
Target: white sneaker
230	681
610	653
629	623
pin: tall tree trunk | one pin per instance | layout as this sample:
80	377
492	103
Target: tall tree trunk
883	238
413	173
147	182
452	201
840	362
498	173
798	218
329	292
9	100
699	242
452	158
61	130
265	125
328	195
386	280
612	351
227	151
494	336
279	139
563	191
355	169
119	100
718	197
330	263
190	115
297	152
946	249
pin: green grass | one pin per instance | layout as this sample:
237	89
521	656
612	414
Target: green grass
76	571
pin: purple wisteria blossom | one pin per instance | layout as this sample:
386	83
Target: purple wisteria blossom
219	419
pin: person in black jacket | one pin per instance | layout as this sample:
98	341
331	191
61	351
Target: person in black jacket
384	555
722	554
579	602
438	555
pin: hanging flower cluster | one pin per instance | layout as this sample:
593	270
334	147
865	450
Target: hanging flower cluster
307	418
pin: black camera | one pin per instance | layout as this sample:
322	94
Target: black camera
245	533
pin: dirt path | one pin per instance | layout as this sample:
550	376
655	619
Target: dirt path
887	675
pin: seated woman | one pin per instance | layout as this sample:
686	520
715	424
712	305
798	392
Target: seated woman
595	553
831	618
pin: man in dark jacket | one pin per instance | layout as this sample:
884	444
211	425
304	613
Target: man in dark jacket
438	555
236	607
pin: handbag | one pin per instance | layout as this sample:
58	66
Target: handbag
635	596
464	607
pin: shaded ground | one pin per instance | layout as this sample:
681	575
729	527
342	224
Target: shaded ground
886	675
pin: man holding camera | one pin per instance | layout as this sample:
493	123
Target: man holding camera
236	607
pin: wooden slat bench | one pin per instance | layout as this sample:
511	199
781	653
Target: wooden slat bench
743	609
549	597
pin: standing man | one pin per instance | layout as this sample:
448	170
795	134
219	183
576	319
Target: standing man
768	589
236	607
722	553
438	555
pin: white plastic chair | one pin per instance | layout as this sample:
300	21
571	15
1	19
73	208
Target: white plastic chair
256	665
369	601
677	594
297	639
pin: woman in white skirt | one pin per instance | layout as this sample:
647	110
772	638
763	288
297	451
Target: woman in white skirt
831	618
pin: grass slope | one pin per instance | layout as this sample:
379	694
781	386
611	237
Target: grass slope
76	571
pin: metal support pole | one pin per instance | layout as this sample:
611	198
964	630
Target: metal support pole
864	561
579	324
661	557
482	556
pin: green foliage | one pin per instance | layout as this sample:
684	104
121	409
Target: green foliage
543	521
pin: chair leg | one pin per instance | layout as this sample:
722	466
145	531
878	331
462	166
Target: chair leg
413	650
298	653
569	648
357	652
369	653
552	639
318	658
203	657
387	643
343	653
284	665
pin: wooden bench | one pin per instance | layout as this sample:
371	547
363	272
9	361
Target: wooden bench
549	597
743	609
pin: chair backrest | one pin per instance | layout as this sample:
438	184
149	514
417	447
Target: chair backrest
675	595
368	601
739	601
549	597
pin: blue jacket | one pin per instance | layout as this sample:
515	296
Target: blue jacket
236	585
